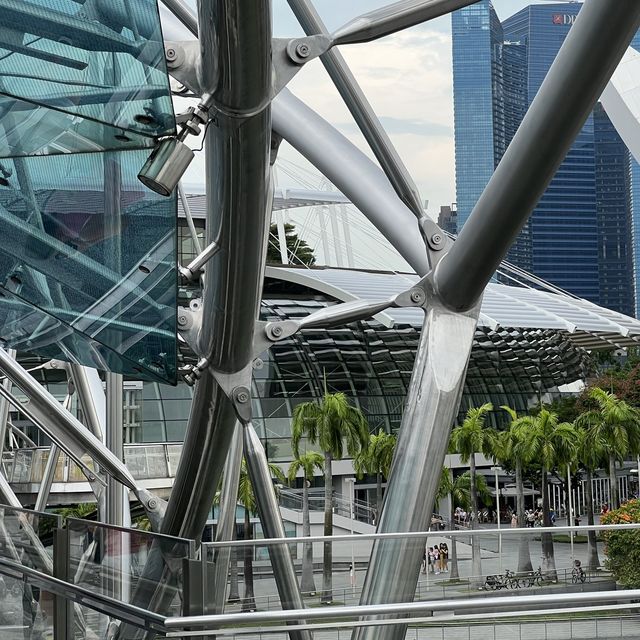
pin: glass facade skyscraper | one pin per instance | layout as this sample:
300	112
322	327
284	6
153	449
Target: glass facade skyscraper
579	234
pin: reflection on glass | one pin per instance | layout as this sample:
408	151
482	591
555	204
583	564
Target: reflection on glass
88	263
81	77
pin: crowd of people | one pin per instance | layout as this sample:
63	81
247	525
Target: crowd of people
436	559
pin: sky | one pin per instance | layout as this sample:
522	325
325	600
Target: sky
407	77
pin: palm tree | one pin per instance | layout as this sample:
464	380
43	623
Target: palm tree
306	462
376	459
247	499
467	439
459	492
590	453
510	449
618	425
331	423
552	444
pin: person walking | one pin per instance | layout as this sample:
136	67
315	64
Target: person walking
436	559
514	520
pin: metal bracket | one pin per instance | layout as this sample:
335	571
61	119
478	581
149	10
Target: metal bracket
437	241
237	387
190	321
290	55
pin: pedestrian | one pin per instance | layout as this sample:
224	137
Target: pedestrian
424	561
430	559
514	520
436	559
531	518
444	557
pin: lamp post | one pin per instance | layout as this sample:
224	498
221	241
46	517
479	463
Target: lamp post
571	514
497	470
352	491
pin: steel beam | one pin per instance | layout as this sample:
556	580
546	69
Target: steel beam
236	71
353	173
585	63
431	406
4	406
91	397
271	520
361	110
227	517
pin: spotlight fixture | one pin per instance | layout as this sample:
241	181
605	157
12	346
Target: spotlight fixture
171	157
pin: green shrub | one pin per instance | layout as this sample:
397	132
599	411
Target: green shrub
623	547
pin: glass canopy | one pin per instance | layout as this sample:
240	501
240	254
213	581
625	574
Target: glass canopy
81	76
87	253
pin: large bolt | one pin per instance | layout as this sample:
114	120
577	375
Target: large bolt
417	296
302	50
182	320
170	54
436	238
276	331
241	395
152	503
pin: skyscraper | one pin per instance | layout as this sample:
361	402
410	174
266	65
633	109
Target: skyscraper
578	235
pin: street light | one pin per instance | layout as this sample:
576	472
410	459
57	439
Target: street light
352	491
497	470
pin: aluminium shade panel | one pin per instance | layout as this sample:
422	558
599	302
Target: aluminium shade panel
502	305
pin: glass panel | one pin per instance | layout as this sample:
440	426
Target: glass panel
87	277
129	565
26	609
146	462
78	77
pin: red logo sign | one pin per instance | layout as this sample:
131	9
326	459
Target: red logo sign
558	18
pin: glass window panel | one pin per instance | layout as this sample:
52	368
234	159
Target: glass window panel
85	276
82	77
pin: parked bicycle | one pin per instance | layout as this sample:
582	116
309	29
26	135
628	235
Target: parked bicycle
577	573
508	580
532	579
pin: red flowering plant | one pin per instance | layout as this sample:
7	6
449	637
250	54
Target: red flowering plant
623	547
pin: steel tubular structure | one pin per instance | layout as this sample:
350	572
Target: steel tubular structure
239	72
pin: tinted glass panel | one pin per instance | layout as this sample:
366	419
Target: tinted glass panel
81	77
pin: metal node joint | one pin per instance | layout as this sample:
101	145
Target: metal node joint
437	242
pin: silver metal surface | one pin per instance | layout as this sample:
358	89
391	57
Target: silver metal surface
227	516
4	406
195	266
592	50
431	406
361	110
91	396
187	214
399	15
271	520
394	609
62	427
353	173
166	165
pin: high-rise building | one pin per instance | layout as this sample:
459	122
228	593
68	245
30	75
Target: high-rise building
579	234
448	218
634	178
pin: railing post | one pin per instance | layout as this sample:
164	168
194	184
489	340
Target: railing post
62	607
195	585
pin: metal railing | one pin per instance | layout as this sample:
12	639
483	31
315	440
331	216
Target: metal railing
145	461
76	561
292	499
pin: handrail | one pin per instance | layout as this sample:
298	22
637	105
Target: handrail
87	597
509	531
475	619
214	621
